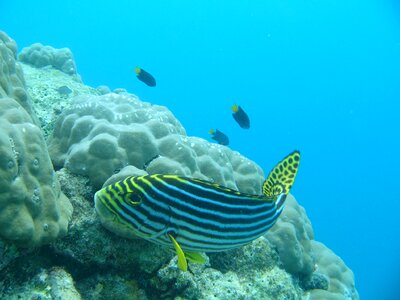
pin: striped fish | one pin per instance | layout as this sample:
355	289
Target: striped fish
193	215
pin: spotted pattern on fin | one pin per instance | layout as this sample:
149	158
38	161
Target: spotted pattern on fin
281	177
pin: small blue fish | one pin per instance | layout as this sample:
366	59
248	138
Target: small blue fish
219	136
145	77
241	117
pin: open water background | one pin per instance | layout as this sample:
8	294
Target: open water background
319	76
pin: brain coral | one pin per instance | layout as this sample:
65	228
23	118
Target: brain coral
41	56
100	135
32	208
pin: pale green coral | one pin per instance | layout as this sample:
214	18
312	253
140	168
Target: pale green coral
99	135
317	268
292	235
33	210
12	82
40	56
287	265
340	277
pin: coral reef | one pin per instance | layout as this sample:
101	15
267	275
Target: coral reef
292	235
44	86
340	279
41	56
12	82
33	210
99	140
317	268
99	135
46	284
247	281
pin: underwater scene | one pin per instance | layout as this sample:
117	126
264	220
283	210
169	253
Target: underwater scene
199	149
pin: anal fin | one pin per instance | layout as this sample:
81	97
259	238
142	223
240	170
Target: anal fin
195	257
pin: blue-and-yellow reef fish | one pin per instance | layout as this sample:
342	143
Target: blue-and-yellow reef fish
145	76
191	215
240	116
220	137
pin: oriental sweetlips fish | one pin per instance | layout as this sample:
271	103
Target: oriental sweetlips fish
192	215
240	116
145	77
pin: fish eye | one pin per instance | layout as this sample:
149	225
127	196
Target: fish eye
132	199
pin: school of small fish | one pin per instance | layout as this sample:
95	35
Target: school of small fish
190	215
238	114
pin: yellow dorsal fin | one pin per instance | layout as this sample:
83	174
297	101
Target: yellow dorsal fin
137	70
235	108
182	263
281	177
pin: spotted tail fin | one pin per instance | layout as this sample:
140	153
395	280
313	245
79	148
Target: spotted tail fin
281	178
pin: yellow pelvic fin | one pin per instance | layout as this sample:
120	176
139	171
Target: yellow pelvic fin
235	108
211	131
281	177
195	257
137	70
182	263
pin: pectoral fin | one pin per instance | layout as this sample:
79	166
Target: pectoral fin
182	263
195	257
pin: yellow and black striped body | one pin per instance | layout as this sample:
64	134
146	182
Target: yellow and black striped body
200	215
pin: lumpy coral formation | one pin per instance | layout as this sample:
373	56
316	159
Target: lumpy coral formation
44	90
97	137
12	82
40	56
33	210
340	279
319	270
292	236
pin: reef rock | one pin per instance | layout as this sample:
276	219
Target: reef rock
41	56
33	210
97	137
45	87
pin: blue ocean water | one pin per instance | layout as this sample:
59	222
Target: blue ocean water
319	76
